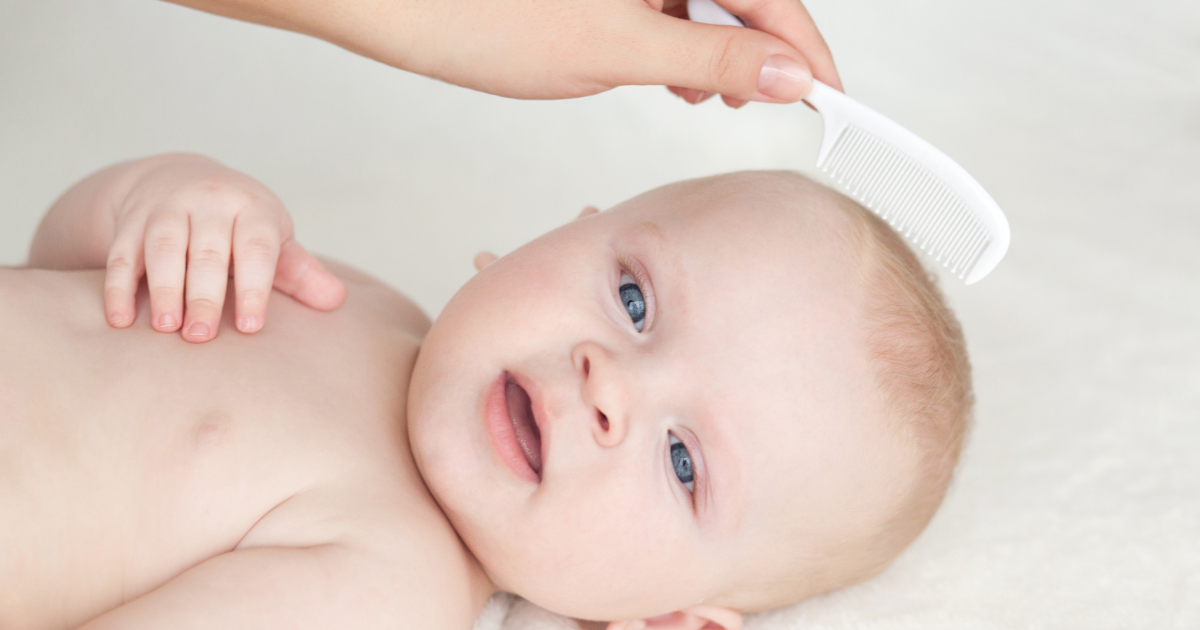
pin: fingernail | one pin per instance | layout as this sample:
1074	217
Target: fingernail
703	96
784	79
166	322
199	330
249	323
116	319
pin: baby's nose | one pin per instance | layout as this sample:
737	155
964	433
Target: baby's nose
603	391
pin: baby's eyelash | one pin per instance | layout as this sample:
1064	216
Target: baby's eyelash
630	267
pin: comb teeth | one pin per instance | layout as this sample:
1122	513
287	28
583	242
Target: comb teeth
908	197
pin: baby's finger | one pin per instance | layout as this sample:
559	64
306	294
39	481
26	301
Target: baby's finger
207	276
123	271
300	275
255	252
166	246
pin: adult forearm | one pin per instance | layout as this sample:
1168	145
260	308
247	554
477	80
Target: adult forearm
378	29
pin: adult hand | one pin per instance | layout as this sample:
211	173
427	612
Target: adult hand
549	49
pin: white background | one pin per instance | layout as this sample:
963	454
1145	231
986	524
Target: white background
1078	503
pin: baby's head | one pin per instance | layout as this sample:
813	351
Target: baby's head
748	392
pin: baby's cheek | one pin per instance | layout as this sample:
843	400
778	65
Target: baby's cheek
626	539
601	560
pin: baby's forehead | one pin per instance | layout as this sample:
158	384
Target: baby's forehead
749	219
774	242
761	266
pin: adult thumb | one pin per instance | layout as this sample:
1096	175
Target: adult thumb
739	62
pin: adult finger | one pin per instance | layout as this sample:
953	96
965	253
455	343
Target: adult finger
207	276
695	97
739	62
123	271
300	275
733	102
166	244
789	21
255	252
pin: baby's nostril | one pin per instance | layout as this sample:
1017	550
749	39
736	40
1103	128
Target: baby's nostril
587	366
603	420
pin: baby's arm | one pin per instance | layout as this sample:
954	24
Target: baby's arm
184	221
78	229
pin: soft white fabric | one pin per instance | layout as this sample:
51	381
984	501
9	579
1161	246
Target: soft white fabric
1078	502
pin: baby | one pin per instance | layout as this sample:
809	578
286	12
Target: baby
722	396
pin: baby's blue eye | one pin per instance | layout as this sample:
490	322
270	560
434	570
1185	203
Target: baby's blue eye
634	301
681	461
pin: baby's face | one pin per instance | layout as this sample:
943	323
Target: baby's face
652	405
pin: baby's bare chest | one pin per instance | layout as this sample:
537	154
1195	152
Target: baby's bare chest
127	456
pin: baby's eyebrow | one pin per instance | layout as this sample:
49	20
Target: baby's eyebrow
653	229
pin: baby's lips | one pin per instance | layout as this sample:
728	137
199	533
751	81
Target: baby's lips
502	434
524	426
538	410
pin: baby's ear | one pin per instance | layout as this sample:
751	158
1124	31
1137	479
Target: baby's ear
483	259
694	618
590	210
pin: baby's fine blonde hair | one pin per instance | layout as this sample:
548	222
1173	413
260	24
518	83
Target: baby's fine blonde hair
921	368
920	357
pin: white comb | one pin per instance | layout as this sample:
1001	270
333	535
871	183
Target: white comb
923	194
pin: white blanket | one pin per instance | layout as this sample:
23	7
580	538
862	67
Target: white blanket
1078	501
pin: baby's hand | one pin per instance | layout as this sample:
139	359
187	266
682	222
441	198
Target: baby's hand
187	224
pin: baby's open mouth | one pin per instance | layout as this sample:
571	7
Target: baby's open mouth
520	411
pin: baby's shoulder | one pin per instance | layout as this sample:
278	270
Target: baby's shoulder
376	299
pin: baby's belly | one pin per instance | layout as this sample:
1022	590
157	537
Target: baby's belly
128	456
